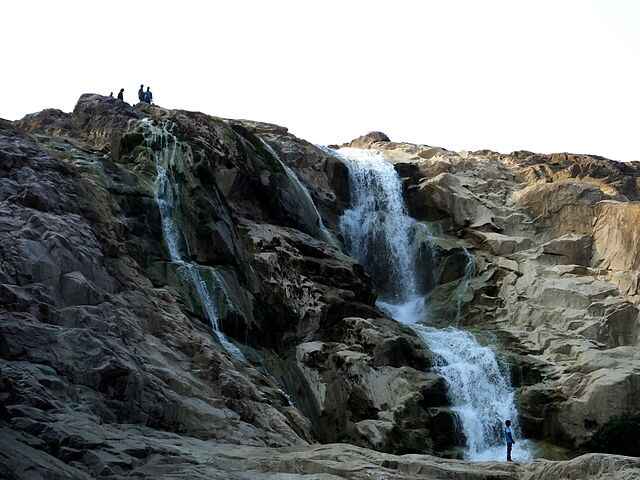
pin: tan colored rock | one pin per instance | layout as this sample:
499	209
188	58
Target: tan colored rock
564	207
616	236
587	467
604	382
446	193
569	249
501	245
569	297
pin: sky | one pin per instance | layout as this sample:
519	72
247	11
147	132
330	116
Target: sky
539	75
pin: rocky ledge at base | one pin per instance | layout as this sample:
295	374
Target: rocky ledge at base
143	453
275	363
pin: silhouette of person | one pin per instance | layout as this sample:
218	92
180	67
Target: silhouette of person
148	96
121	94
141	93
508	434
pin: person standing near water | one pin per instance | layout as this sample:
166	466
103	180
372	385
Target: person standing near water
508	434
121	94
141	93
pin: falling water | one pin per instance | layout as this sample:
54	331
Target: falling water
167	152
304	195
377	232
480	393
376	227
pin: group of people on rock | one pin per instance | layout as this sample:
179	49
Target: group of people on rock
144	96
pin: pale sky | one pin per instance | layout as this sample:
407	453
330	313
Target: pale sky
541	75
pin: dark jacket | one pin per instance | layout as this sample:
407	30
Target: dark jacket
508	435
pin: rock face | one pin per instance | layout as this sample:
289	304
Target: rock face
109	364
86	335
554	239
100	327
144	454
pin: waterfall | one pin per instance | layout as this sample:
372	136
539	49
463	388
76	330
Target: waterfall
481	395
167	152
377	231
303	194
376	227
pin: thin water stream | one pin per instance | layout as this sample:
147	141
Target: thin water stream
167	152
377	232
302	193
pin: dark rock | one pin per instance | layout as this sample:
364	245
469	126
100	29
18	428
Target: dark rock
618	436
98	320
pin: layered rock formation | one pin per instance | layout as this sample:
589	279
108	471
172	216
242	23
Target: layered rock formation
109	365
555	243
100	327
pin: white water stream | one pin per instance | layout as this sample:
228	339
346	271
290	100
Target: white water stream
377	231
302	193
167	151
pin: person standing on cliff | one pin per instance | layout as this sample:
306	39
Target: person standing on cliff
121	94
508	434
148	96
141	93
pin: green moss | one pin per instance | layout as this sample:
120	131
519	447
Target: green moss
129	142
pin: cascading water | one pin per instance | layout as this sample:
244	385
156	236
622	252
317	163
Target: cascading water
378	208
377	231
167	150
480	393
304	195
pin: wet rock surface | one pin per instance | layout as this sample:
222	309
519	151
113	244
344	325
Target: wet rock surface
99	326
554	238
108	364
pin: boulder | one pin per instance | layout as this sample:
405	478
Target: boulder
569	249
501	245
448	195
598	391
367	141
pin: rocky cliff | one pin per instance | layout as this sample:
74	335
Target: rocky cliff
555	243
112	365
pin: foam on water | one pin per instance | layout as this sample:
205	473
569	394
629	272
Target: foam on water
377	231
376	227
479	390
